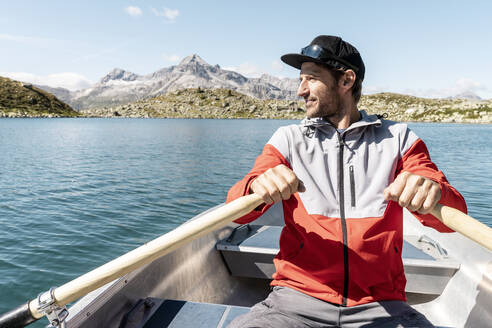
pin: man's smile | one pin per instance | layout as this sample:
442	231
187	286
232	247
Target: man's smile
310	101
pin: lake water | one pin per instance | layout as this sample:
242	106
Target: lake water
76	193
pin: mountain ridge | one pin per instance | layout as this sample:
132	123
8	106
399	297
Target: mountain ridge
119	86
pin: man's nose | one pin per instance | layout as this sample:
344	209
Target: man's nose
303	89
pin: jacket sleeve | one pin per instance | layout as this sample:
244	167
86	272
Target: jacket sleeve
269	158
417	161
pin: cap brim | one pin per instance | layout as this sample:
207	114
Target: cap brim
296	60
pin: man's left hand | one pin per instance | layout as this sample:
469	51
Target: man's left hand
414	192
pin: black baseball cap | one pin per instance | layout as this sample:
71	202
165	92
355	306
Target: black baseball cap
328	50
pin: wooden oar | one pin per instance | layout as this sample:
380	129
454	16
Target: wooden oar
464	224
140	256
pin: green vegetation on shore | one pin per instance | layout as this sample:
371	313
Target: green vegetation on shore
25	100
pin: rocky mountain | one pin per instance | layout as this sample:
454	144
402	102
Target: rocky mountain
121	87
467	95
225	103
63	94
119	74
19	99
283	84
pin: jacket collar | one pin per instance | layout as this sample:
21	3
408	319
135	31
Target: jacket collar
322	123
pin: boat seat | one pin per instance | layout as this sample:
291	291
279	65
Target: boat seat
250	249
184	314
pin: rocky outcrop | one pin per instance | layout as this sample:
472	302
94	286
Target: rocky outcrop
19	99
224	103
408	108
203	103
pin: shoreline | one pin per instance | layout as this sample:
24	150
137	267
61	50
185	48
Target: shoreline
217	118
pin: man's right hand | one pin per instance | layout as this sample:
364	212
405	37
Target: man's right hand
276	184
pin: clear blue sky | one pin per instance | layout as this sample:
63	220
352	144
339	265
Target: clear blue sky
427	48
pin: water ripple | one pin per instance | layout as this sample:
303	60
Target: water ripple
75	193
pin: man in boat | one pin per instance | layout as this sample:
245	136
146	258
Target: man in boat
343	177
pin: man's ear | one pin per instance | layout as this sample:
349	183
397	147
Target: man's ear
348	79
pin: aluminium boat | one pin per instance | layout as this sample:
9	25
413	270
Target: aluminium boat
211	280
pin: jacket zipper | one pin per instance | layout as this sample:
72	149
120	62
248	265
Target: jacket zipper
344	223
352	185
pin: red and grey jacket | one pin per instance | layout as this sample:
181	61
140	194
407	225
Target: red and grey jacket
342	241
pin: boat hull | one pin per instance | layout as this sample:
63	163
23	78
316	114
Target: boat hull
197	272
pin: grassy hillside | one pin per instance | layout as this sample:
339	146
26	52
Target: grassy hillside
24	100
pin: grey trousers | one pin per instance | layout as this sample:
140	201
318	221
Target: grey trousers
288	308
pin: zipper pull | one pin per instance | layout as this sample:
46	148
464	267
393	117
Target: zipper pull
352	185
340	139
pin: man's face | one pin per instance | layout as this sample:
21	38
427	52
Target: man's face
319	89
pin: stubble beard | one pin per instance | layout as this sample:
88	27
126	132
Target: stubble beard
328	110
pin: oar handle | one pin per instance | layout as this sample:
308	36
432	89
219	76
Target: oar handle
150	251
18	317
464	224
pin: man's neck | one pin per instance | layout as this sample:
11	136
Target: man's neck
345	118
